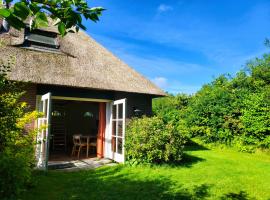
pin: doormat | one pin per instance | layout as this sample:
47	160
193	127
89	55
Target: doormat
61	166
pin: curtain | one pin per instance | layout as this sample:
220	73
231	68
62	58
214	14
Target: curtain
101	130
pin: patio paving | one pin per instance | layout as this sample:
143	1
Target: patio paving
83	164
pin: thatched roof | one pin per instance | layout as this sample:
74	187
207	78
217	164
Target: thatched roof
82	63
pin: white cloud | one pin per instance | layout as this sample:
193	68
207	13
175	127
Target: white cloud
164	8
175	86
161	82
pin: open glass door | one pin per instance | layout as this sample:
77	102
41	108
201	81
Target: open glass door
42	148
118	121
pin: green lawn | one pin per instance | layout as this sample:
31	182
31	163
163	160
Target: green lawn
205	174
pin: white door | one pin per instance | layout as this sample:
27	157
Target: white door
115	134
42	148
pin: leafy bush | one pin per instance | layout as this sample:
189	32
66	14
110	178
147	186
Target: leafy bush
151	140
16	145
229	110
171	108
16	165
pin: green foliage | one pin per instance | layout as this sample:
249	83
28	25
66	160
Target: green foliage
171	107
234	110
213	112
68	13
151	140
16	145
229	110
172	110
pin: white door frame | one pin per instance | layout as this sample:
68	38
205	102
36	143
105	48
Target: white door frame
43	135
109	153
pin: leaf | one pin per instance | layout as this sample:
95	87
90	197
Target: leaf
81	26
41	19
34	8
21	10
62	29
15	22
97	9
4	12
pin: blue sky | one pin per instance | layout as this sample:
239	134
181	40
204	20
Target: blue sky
182	44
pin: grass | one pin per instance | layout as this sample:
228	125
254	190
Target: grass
205	174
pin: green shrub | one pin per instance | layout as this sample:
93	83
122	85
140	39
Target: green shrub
16	171
231	110
151	140
16	145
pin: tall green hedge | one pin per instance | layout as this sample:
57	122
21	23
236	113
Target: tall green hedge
234	110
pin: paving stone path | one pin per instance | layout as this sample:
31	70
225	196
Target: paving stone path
76	165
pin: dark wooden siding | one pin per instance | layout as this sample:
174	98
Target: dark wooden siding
142	102
30	98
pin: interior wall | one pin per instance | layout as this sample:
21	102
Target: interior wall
76	120
79	123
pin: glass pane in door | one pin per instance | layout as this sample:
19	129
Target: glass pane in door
114	111
114	128
120	111
120	128
119	145
45	111
113	144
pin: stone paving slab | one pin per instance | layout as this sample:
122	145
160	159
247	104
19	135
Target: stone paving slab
76	165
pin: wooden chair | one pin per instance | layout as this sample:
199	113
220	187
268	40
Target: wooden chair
93	143
78	144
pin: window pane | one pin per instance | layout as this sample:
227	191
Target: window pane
114	128
114	111
120	111
120	128
119	145
113	144
41	39
45	108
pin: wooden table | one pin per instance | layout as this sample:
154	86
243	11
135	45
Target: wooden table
88	138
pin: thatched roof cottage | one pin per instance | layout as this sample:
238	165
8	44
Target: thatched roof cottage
82	88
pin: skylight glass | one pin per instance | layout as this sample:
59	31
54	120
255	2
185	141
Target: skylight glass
40	40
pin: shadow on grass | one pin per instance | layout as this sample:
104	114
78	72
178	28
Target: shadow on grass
112	183
186	161
189	160
193	146
242	195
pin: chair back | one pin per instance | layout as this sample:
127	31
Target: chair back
77	139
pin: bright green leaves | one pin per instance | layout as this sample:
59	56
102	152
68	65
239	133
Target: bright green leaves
62	28
4	12
15	21
68	13
151	140
16	14
41	20
21	10
94	13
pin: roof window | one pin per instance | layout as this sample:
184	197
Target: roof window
40	40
